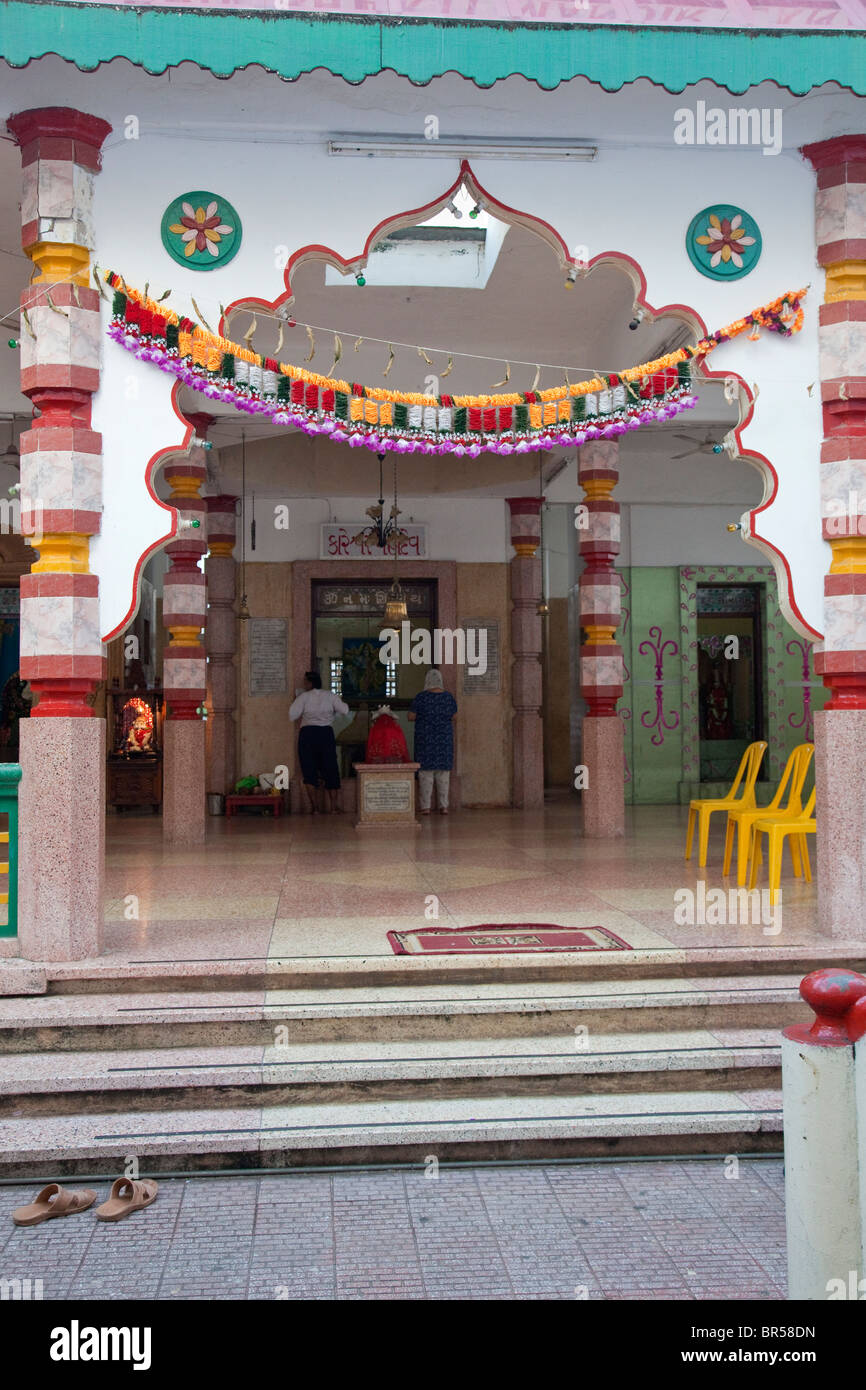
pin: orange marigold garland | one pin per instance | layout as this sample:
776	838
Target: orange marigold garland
408	422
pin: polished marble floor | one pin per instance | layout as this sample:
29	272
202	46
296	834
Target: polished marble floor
316	887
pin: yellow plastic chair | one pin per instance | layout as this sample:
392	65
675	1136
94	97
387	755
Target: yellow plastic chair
703	807
742	821
798	827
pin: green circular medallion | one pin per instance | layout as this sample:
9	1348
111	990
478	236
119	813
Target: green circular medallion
201	230
723	242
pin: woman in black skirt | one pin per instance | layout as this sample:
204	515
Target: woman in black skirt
317	748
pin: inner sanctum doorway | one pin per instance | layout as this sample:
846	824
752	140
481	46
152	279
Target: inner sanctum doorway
731	676
346	646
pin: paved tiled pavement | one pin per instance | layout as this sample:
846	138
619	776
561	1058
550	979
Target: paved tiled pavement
662	1229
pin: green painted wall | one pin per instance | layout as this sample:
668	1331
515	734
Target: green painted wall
659	705
653	729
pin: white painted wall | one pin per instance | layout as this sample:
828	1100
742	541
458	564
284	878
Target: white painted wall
637	199
682	535
476	530
665	534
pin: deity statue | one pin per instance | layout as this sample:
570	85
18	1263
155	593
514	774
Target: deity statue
140	736
718	708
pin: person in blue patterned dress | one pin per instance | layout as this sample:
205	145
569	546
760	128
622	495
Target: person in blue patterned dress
432	713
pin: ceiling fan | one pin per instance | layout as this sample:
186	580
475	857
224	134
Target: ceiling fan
708	445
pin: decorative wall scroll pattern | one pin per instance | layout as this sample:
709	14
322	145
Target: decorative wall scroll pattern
805	722
655	645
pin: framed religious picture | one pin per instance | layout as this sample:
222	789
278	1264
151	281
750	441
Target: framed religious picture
364	673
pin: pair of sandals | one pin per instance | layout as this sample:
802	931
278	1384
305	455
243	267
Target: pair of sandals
126	1196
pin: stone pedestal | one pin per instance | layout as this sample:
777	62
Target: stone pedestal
821	1120
604	795
840	757
184	805
386	796
62	854
840	732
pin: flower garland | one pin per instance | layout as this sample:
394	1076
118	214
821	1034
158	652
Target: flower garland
380	419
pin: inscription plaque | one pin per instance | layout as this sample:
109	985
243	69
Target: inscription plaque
269	645
489	682
387	794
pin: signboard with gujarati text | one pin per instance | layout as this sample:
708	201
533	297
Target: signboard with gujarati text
340	542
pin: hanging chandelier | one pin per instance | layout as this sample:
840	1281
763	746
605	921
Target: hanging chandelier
385	532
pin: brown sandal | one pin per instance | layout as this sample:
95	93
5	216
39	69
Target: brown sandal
127	1196
53	1201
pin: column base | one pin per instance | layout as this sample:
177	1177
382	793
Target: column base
840	775
183	786
61	838
604	796
527	731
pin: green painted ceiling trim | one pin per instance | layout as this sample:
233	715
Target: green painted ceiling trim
353	48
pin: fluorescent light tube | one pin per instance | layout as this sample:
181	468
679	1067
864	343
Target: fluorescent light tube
461	147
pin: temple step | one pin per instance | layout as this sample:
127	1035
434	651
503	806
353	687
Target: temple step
343	1072
252	1018
532	1060
364	971
417	1131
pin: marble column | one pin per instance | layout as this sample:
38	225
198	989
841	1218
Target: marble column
62	799
527	729
840	729
184	611
221	642
601	668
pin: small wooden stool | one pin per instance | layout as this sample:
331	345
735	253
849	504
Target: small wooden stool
262	799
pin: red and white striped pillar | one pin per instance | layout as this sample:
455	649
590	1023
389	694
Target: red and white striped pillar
221	642
526	676
184	659
840	729
62	803
601	668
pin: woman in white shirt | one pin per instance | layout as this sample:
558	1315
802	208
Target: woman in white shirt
317	748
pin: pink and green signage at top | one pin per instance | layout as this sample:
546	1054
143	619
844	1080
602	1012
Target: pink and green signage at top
724	14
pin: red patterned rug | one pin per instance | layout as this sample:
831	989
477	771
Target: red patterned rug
487	940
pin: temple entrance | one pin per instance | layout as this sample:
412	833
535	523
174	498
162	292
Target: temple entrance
346	646
585	635
731	676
